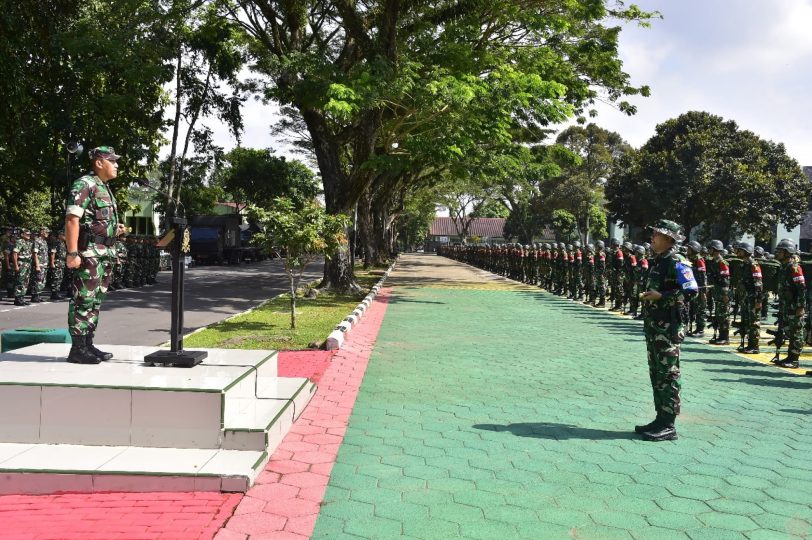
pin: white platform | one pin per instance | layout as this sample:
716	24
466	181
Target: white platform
122	425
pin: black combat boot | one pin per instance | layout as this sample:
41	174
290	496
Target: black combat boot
665	431
20	301
791	361
651	426
722	339
55	297
752	347
601	303
103	356
37	298
80	354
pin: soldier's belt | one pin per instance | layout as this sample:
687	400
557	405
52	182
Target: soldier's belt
108	241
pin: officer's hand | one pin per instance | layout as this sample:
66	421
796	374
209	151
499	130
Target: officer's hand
758	305
799	312
121	229
73	262
651	296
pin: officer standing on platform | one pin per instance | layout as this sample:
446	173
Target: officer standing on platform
91	227
670	285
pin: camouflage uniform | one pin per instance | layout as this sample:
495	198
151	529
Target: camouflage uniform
92	202
698	304
664	329
719	279
10	272
616	278
751	291
39	278
600	275
57	272
120	264
791	298
23	253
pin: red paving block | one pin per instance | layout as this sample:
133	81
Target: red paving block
305	479
257	523
313	441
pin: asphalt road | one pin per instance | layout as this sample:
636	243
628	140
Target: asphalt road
142	316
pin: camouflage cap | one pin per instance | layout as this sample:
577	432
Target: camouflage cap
668	228
103	152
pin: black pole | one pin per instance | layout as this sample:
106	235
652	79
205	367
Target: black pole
176	356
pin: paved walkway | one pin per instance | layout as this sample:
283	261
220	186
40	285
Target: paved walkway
492	410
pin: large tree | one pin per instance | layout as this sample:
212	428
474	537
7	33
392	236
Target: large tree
699	168
380	77
597	150
66	77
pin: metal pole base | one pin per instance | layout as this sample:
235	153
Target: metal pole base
185	359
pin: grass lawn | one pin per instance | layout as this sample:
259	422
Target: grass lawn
268	327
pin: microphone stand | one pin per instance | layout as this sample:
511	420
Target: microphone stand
179	246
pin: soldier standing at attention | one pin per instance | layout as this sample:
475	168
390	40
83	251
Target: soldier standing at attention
719	279
600	273
21	260
698	304
91	226
751	285
8	247
616	276
670	285
42	254
56	265
791	298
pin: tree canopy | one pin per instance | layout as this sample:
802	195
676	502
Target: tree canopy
699	168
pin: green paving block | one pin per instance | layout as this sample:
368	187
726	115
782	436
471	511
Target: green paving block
431	529
518	420
730	522
673	520
374	528
24	337
488	530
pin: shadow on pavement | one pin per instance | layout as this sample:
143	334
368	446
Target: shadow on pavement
793	382
548	430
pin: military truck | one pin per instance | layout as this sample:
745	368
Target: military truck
222	239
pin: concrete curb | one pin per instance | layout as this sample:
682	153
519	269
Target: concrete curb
336	338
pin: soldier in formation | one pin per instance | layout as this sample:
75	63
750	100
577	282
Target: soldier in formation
42	275
726	288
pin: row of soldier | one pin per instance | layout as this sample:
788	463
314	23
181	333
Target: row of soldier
732	291
34	263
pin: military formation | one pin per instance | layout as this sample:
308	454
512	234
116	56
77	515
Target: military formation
736	285
34	264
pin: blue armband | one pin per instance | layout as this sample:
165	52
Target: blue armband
685	278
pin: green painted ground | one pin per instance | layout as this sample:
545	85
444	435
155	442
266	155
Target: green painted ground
508	414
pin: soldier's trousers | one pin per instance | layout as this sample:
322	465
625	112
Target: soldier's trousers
793	332
663	366
600	287
698	306
40	278
88	290
22	280
750	320
55	277
721	316
11	281
617	289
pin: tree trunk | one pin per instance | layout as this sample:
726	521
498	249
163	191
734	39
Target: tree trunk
338	272
381	233
292	281
367	229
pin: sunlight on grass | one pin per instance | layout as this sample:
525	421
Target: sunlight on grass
268	327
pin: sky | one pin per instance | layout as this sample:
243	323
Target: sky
744	60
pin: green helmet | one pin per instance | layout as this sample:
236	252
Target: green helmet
716	245
787	245
745	246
